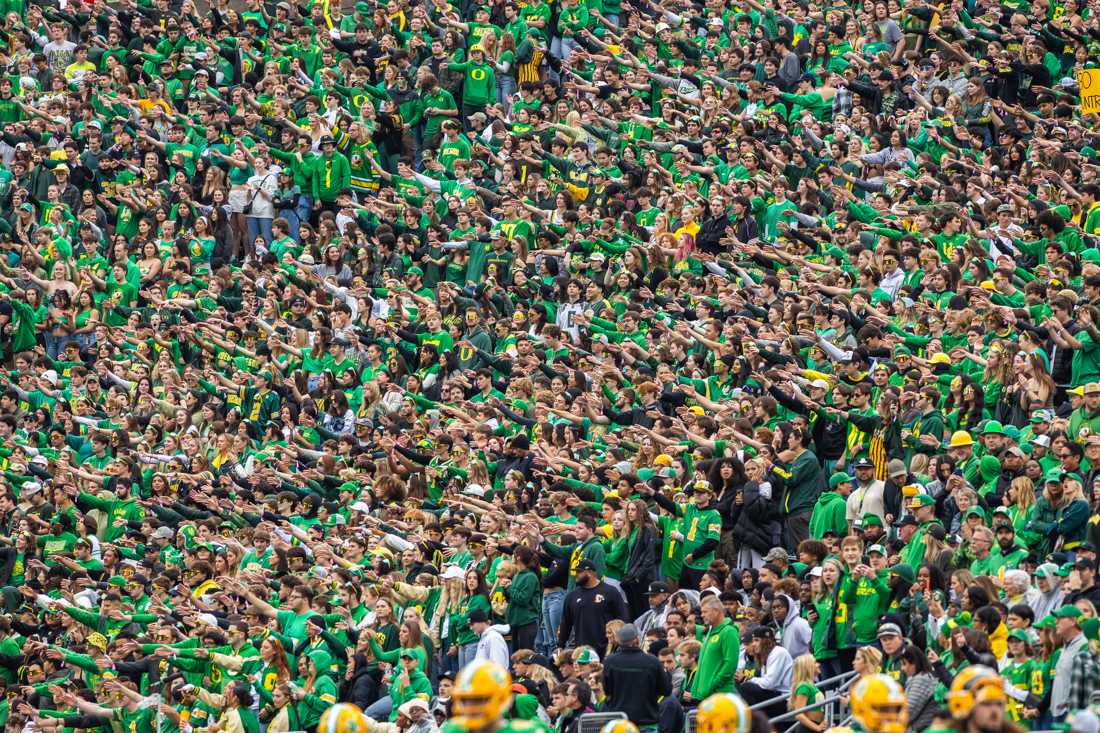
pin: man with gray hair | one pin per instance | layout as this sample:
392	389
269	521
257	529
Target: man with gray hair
634	680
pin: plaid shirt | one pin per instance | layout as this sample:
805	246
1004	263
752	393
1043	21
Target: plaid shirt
1084	679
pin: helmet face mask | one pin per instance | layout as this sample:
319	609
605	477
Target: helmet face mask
724	712
893	718
482	694
974	685
342	718
879	705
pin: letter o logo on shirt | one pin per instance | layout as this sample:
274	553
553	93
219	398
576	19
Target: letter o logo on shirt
477	74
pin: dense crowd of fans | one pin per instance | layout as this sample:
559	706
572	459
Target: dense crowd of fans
647	350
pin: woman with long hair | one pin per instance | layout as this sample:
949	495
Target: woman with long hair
823	614
474	595
280	714
804	692
920	687
524	594
1020	500
641	567
727	476
315	690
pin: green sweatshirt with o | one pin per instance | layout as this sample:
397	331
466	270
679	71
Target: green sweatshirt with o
480	86
717	661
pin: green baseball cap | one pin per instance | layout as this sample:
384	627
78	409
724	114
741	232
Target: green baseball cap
1068	611
921	500
838	478
1053	476
975	511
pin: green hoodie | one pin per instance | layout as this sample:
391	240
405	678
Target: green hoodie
323	693
830	513
990	470
717	661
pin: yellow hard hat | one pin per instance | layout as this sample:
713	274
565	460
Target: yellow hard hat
960	439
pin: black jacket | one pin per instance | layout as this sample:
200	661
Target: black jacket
634	681
642	566
362	688
755	522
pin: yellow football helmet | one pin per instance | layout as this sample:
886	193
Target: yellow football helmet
343	717
482	694
879	705
723	712
973	685
619	726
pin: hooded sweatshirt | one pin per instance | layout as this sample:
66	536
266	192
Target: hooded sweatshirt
795	634
829	514
323	694
1046	603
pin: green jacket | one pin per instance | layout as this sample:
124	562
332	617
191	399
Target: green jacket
804	481
592	550
1068	522
717	661
524	599
330	177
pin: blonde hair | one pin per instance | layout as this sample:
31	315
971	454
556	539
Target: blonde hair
805	669
1025	492
871	656
612	628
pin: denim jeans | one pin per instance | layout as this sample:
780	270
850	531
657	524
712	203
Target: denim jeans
563	47
292	220
466	654
506	87
259	225
546	641
380	709
304	208
54	344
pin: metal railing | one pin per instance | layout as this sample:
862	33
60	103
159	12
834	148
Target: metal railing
842	683
593	722
831	703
